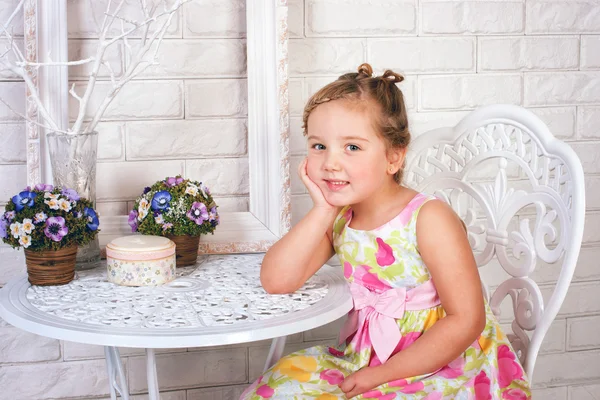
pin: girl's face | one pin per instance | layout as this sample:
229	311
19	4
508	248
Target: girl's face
347	159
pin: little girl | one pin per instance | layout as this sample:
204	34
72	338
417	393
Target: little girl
420	328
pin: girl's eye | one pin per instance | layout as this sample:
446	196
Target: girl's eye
352	147
318	146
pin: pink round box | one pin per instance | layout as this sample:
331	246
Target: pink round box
140	260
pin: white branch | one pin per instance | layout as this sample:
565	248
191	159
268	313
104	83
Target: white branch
125	41
73	93
111	72
51	63
33	90
8	49
28	120
13	45
12	16
132	69
96	67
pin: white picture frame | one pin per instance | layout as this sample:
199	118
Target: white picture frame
269	215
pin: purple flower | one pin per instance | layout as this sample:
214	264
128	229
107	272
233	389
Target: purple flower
27	189
56	228
3	225
198	213
161	200
9	216
132	220
23	199
146	189
42	187
92	218
167	226
204	189
71	194
213	216
174	181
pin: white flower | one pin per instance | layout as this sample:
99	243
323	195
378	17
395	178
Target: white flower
160	219
25	241
40	217
15	229
191	189
64	205
27	226
143	209
49	195
52	203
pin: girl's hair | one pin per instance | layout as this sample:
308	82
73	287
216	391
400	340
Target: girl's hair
379	92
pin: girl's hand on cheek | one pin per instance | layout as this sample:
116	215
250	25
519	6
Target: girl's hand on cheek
313	189
360	382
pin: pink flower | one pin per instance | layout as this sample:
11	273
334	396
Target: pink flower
376	394
413	388
347	270
332	376
335	352
265	391
408	388
454	369
384	254
397	382
369	280
508	368
514	394
482	387
433	396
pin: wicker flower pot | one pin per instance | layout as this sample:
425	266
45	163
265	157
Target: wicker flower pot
186	249
51	267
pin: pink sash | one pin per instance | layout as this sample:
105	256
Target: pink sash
380	311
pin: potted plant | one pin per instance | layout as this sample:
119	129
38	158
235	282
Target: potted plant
49	223
178	208
72	143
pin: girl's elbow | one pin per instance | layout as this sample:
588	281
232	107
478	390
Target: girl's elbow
478	324
275	286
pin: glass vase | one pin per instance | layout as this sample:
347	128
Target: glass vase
73	159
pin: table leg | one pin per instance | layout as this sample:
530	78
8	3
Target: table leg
153	391
115	369
275	352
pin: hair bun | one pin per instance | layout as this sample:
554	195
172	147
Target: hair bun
392	76
366	70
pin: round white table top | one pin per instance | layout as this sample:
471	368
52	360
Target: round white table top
216	302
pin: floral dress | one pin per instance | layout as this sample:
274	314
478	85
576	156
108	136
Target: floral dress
395	301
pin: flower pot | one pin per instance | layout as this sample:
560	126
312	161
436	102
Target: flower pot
51	267
186	249
73	159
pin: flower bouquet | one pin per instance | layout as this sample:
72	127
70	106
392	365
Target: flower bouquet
180	209
49	223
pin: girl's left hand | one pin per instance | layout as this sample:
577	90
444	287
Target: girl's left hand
361	381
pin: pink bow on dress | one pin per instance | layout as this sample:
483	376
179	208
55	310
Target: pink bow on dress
380	311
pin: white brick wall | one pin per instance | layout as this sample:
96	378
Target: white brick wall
456	56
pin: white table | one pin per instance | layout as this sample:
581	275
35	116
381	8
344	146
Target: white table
217	302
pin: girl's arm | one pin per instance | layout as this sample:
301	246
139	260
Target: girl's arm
300	253
447	254
305	248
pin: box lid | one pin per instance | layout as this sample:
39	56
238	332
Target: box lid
140	243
